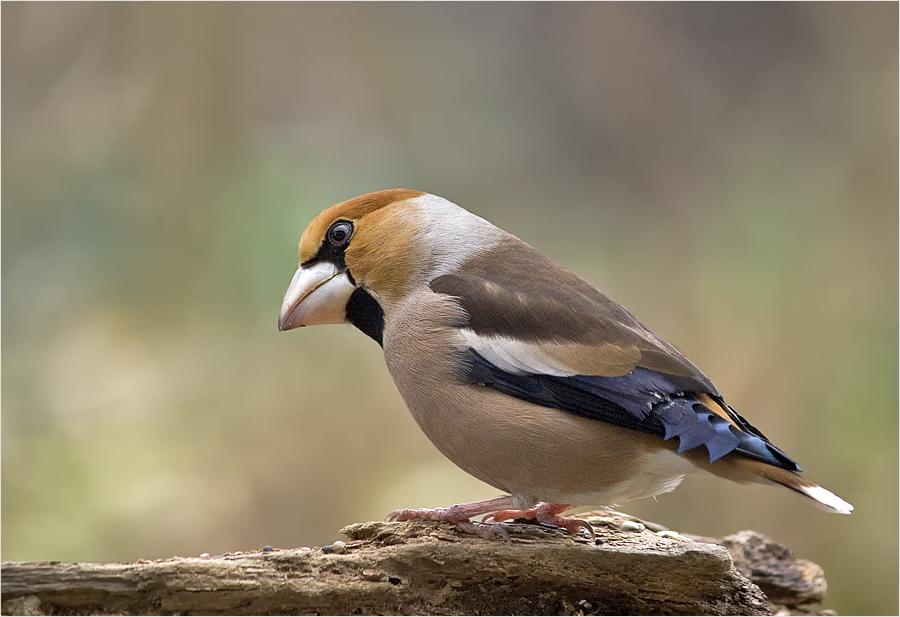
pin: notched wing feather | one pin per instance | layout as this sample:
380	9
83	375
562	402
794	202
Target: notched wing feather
641	400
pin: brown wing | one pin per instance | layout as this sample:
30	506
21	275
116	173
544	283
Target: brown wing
507	295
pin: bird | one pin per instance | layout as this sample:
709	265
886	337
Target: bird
517	369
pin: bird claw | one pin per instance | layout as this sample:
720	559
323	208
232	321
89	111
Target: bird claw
574	525
548	514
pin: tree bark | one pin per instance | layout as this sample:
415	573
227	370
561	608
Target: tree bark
430	569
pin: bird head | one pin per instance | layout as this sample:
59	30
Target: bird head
360	257
344	251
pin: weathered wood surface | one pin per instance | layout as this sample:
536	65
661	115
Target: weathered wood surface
427	568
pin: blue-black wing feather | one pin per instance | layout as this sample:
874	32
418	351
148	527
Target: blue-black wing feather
642	400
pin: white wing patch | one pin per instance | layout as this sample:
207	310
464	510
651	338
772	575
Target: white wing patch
514	356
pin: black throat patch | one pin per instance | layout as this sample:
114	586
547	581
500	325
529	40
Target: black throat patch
364	312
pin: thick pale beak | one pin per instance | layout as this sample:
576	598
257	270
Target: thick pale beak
317	295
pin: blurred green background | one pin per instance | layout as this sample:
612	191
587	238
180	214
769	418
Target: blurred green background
729	172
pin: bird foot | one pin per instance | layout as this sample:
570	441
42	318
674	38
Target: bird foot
499	510
459	515
547	513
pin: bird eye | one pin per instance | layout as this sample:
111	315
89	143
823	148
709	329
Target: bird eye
339	233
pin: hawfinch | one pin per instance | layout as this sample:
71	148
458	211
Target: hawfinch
517	369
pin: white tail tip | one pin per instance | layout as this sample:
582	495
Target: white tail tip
827	500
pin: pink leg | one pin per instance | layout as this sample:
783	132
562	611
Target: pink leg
459	515
547	513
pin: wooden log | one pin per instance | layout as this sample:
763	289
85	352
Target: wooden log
434	569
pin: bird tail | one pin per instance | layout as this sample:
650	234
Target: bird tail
761	472
822	497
